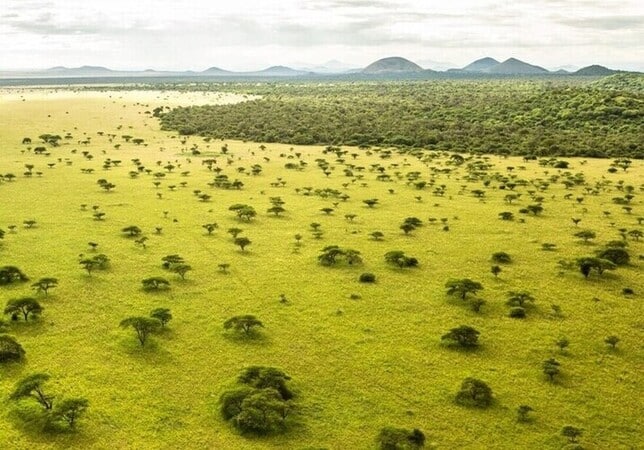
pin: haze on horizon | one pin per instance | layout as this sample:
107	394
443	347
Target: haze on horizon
253	34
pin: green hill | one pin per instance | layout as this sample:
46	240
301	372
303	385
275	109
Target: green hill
394	64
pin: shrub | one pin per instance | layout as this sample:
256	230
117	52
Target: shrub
391	438
474	393
617	255
10	349
261	404
463	336
367	277
11	274
501	257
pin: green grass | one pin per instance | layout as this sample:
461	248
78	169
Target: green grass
357	364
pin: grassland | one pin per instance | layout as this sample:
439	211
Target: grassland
357	364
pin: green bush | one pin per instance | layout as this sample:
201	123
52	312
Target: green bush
367	277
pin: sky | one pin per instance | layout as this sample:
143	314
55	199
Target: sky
254	34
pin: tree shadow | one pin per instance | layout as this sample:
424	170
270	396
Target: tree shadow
254	337
33	422
152	351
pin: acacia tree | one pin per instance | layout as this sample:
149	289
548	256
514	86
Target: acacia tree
69	410
10	349
572	433
391	438
44	284
519	298
463	336
26	306
244	212
242	242
245	323
261	402
463	287
180	269
612	340
589	263
398	258
551	368
210	227
143	326
31	387
155	283
11	274
96	262
332	254
132	231
586	235
163	315
474	392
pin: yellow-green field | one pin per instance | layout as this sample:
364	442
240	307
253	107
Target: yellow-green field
361	356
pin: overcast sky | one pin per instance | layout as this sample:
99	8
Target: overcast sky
253	34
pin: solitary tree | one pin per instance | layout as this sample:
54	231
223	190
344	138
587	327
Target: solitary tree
563	343
31	387
242	242
163	315
522	413
463	336
245	323
572	433
551	368
391	438
143	326
611	340
210	227
155	283
262	402
586	235
69	410
44	284
474	393
519	298
26	306
10	349
398	258
234	232
463	287
170	260
244	212
11	274
132	231
407	228
180	269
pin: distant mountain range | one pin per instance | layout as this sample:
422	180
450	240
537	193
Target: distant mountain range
394	66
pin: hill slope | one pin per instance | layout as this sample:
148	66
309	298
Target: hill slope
595	71
394	64
481	65
513	66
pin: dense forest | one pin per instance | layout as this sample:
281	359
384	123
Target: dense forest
540	117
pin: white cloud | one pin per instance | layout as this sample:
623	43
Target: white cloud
249	34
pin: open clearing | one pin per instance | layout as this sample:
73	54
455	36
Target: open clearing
361	356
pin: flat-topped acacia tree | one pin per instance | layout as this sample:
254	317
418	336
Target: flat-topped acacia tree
143	326
32	387
44	284
10	349
26	306
11	274
244	323
462	287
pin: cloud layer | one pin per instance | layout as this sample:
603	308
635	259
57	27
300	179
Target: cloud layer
251	34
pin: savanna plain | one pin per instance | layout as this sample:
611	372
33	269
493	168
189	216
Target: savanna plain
357	261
